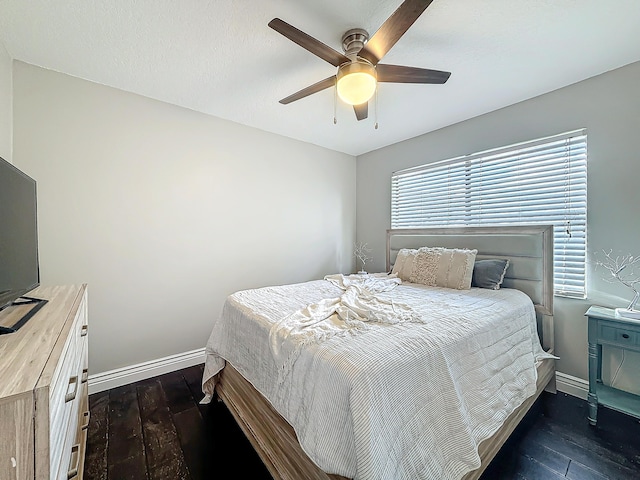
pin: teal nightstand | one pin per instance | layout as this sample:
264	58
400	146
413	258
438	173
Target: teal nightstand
605	328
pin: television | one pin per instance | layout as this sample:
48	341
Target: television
19	265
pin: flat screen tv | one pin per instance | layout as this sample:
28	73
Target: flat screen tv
19	266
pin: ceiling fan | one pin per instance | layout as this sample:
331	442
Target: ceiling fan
359	69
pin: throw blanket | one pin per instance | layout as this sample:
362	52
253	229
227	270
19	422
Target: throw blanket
342	315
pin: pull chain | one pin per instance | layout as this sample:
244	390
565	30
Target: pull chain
375	125
335	101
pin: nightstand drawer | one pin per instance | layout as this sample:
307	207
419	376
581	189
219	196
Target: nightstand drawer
616	335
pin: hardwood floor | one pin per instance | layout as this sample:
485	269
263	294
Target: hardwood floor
156	429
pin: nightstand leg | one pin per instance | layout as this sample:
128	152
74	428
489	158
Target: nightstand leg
595	367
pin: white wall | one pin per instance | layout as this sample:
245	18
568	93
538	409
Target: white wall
609	107
164	211
6	105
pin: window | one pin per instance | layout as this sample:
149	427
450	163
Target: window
538	182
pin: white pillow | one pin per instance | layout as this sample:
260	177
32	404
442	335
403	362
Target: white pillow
443	267
404	263
399	263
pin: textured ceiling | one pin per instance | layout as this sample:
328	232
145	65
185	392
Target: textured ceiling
220	58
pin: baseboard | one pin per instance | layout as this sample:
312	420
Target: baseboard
571	385
141	371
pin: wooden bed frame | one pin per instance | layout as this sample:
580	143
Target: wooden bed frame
530	252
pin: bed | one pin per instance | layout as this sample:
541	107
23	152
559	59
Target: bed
370	399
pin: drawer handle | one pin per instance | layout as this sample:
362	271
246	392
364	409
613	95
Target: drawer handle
85	375
87	416
84	330
625	335
75	461
72	395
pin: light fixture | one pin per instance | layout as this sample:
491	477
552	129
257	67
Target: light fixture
356	82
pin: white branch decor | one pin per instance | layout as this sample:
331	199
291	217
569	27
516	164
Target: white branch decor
361	252
626	270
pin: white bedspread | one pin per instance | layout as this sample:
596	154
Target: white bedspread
409	399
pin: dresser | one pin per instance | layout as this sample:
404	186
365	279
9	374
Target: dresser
605	328
44	408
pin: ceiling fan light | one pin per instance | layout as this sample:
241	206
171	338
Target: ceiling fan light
356	82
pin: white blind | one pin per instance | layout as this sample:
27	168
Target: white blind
538	182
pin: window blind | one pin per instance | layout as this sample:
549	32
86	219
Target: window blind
538	182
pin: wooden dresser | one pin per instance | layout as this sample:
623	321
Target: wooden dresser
44	407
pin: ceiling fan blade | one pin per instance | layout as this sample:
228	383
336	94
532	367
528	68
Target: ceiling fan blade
362	111
309	43
392	29
402	74
311	89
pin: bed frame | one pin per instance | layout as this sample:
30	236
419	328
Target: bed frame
530	253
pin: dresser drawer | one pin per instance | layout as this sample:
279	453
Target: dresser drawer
77	431
62	402
615	334
72	461
77	464
68	388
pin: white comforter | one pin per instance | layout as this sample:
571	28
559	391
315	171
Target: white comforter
408	399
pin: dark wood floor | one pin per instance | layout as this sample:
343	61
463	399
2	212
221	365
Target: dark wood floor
156	429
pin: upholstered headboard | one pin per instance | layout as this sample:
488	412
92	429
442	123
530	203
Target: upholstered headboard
529	250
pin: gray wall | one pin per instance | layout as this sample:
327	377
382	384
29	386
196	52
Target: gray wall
164	211
609	107
6	105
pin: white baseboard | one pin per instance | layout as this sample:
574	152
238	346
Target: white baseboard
571	385
141	371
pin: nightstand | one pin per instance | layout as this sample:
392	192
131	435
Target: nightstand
605	328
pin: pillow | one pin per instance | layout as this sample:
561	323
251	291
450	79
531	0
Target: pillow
404	263
489	273
399	263
444	267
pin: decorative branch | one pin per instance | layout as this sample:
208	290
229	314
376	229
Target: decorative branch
361	251
624	269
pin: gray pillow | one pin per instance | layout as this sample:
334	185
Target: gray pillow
489	273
